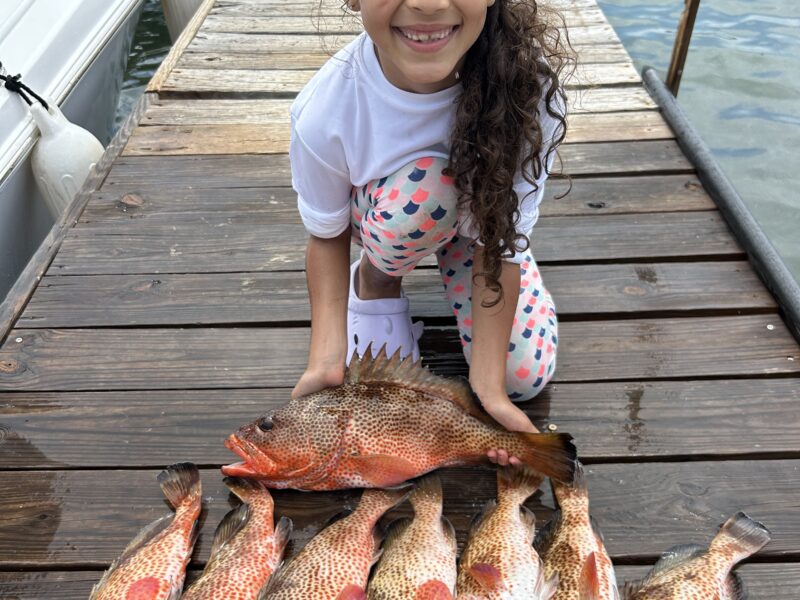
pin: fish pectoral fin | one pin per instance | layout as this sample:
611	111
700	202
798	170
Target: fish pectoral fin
433	590
352	592
588	583
487	576
381	470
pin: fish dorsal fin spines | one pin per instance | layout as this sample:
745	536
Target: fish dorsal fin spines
142	538
282	535
231	524
397	529
673	558
544	535
411	374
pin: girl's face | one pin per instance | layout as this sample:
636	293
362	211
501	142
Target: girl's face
422	43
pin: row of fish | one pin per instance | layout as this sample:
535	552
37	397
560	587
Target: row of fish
417	560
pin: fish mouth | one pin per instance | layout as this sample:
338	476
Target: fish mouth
248	452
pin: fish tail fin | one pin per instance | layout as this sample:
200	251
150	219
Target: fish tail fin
517	484
550	453
181	485
740	536
427	497
375	502
249	491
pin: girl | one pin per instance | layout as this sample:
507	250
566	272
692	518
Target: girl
433	132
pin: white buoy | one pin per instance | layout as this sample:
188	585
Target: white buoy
62	158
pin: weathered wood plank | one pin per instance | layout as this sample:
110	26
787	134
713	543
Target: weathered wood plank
610	422
259	170
602	196
595	47
244	82
579	290
764	581
85	518
194	246
273	138
135	359
291	19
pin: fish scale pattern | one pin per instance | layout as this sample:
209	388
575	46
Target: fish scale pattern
413	213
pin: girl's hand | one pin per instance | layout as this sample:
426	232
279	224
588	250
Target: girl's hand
317	378
509	416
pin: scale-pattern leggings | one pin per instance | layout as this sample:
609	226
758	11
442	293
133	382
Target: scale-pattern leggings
412	213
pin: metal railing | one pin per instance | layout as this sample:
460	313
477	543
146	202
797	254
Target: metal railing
681	46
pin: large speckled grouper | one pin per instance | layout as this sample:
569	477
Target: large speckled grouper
247	548
153	566
571	547
335	564
693	572
419	554
390	421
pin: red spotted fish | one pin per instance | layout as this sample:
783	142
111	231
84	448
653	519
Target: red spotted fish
390	421
571	547
335	564
499	561
246	549
693	572
419	555
153	566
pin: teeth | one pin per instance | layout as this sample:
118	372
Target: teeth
426	37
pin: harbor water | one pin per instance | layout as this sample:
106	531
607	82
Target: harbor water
740	89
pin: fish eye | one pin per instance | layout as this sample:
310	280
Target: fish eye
265	424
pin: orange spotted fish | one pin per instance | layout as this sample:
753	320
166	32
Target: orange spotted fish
153	566
499	562
246	548
390	421
572	548
419	555
692	572
335	564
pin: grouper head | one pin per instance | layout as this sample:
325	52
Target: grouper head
295	444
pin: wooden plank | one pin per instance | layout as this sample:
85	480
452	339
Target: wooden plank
85	518
282	83
274	19
765	581
258	170
273	138
236	298
136	359
637	421
601	196
194	246
597	46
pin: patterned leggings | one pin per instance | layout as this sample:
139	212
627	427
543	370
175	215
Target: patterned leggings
412	213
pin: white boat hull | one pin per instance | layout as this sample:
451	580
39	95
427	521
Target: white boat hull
91	103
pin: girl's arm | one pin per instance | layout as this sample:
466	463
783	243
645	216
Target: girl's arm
491	332
328	278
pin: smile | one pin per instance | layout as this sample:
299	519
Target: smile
425	36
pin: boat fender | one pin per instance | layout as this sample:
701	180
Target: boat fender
62	158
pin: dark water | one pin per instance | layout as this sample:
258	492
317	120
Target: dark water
740	88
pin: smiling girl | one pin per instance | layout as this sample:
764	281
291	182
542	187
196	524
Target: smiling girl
433	133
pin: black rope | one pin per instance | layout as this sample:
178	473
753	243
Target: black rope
13	84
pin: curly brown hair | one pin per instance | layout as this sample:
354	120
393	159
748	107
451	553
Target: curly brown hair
519	58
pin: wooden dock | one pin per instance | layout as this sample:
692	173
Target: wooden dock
173	308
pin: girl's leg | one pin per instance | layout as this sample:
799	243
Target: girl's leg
401	218
531	358
398	220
